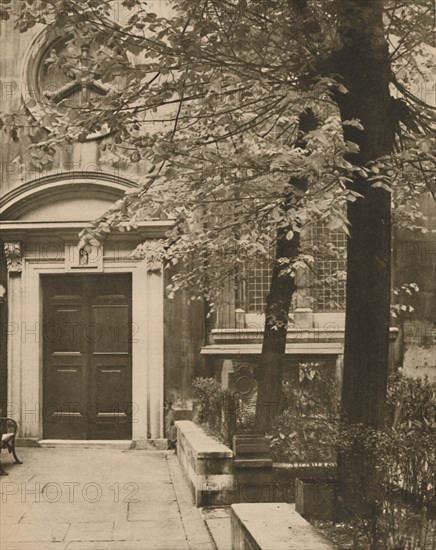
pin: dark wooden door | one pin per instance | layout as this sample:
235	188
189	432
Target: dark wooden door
87	382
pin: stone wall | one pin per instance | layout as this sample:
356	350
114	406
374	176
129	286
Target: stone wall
183	338
208	469
206	464
278	483
273	525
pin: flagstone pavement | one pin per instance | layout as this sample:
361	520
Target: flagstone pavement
97	499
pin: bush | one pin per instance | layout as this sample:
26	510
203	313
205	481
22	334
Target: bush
306	429
216	408
411	417
393	481
393	486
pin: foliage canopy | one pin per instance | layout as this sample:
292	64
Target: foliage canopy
208	108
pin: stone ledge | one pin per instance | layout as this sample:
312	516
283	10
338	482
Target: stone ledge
149	444
203	445
206	465
26	442
273	525
310	348
118	444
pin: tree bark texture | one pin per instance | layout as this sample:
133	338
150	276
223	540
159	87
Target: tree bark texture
363	64
282	287
270	371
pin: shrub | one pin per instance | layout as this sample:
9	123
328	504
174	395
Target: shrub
216	408
306	429
411	422
393	483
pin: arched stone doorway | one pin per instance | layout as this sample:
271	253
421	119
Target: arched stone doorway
39	223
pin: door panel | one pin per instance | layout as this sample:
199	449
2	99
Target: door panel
64	364
111	329
110	360
87	357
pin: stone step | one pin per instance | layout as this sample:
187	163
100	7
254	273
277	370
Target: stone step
119	444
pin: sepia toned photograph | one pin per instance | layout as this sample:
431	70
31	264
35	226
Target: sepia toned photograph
217	275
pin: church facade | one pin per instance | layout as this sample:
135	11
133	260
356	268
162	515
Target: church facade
82	338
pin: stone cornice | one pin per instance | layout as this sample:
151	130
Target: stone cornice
21	229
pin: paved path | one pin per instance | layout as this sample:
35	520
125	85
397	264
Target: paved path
98	499
218	522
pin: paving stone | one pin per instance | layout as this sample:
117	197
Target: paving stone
17	473
75	512
90	531
153	511
10	514
219	525
142	502
162	544
35	546
219	512
149	494
195	529
36	532
149	530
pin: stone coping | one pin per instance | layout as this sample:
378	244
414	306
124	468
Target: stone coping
300	348
266	526
301	465
203	445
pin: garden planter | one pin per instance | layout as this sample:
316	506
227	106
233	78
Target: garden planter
316	498
252	451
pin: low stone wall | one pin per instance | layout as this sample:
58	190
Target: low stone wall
273	525
208	469
278	483
207	465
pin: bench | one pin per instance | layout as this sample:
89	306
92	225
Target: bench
8	432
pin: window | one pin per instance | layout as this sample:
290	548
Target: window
330	268
256	286
330	264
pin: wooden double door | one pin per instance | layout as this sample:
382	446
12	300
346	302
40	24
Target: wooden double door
87	352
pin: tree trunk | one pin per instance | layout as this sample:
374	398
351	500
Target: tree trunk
282	287
270	372
363	63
